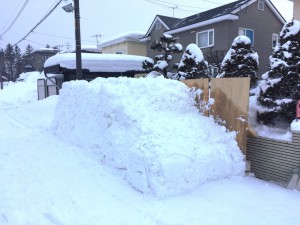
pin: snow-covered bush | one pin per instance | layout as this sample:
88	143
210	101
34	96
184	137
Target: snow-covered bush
241	60
192	64
168	45
280	88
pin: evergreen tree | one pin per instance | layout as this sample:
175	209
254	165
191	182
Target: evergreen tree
27	56
2	67
280	88
241	60
18	63
192	64
168	45
10	58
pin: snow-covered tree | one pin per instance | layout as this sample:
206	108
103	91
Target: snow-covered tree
192	64
18	62
280	88
167	44
241	60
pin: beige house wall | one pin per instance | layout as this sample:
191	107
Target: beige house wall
113	49
127	48
297	9
135	48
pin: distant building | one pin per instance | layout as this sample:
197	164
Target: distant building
126	43
39	57
296	9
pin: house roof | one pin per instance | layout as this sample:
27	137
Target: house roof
225	12
211	14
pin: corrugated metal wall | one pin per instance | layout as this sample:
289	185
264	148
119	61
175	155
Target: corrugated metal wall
273	160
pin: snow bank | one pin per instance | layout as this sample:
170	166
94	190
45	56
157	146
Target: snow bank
15	94
150	130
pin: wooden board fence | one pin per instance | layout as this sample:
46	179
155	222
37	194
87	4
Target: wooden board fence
231	96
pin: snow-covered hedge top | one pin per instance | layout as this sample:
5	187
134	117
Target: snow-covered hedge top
291	28
241	40
99	62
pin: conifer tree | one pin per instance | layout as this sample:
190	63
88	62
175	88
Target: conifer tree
241	60
192	64
280	88
167	44
18	62
10	58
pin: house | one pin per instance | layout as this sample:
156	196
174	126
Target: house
126	43
38	58
215	29
296	9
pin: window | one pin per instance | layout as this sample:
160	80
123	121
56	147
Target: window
247	32
158	25
274	40
119	52
205	38
261	5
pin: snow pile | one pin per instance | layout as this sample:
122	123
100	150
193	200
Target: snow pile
150	130
20	92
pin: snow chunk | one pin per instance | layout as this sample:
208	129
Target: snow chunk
295	125
150	130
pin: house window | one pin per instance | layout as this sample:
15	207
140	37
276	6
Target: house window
274	40
119	52
247	32
261	5
158	25
205	38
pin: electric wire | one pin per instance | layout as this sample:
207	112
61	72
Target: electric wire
167	6
16	18
52	35
39	23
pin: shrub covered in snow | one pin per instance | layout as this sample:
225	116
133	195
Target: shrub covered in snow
167	44
241	60
192	64
280	88
150	130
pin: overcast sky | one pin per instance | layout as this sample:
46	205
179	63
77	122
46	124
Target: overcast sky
98	17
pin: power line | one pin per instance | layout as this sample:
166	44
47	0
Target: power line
16	18
52	35
167	6
42	20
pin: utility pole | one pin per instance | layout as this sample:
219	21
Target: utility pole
78	40
97	36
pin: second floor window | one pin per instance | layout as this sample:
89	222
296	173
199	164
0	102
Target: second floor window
261	5
158	25
205	38
247	32
274	40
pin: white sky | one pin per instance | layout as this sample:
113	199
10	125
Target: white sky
105	17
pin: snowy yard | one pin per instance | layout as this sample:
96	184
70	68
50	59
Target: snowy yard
53	173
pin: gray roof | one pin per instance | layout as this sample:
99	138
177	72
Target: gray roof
210	14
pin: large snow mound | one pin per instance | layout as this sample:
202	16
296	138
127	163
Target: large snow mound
150	130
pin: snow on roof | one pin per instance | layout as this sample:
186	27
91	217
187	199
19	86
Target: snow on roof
99	62
134	36
89	48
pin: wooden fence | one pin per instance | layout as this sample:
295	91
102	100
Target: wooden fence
231	100
273	160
